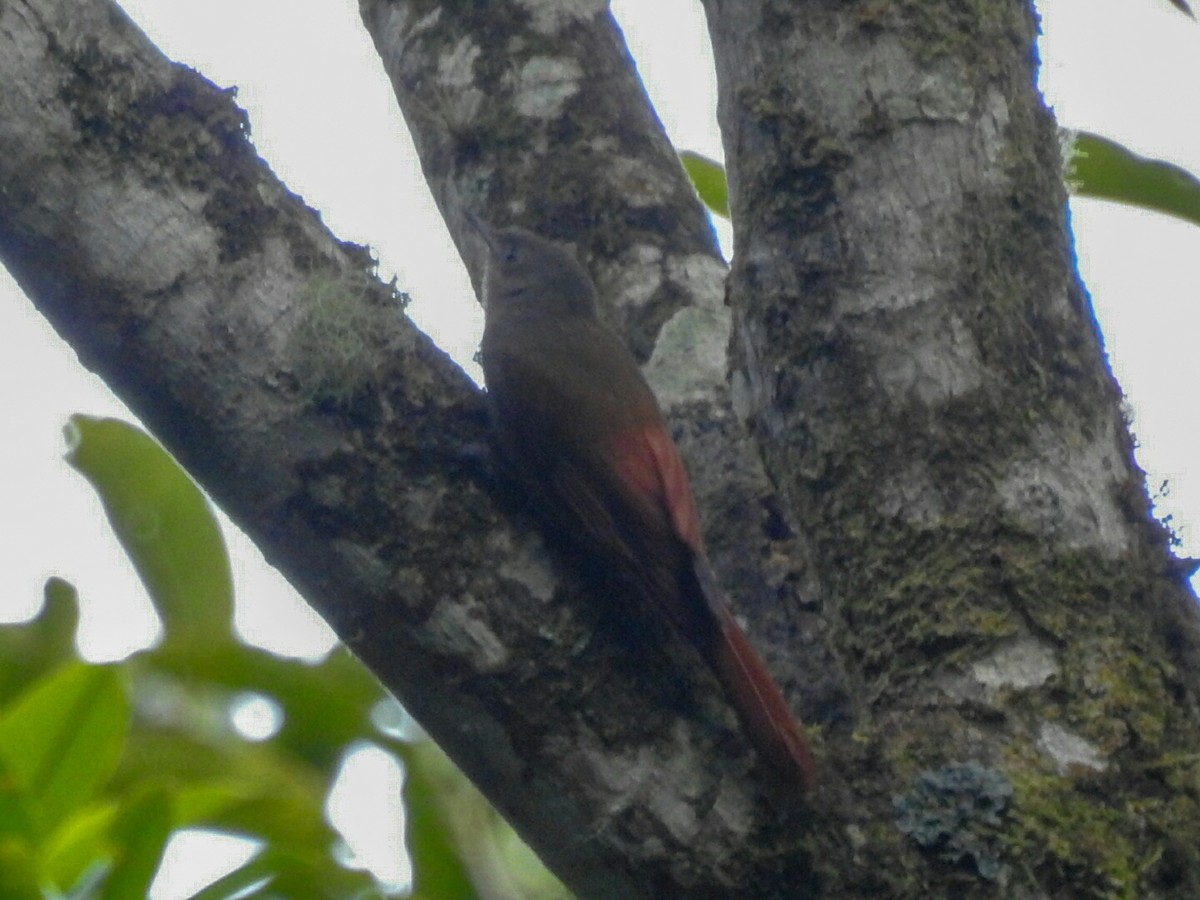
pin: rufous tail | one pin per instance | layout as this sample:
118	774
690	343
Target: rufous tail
769	724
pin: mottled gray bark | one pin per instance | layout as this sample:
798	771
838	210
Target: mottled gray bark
136	216
532	113
912	351
923	373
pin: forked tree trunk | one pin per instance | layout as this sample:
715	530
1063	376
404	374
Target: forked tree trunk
916	482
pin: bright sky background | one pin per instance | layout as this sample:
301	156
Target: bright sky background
323	116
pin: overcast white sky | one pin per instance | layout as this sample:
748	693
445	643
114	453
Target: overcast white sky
323	116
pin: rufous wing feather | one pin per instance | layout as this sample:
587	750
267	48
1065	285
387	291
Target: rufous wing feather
764	714
648	463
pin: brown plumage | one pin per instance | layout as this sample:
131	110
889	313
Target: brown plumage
573	415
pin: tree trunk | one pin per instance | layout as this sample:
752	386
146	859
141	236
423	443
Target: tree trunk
932	525
922	371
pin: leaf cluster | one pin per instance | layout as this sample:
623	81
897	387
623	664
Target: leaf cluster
101	764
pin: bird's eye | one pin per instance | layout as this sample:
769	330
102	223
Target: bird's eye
511	255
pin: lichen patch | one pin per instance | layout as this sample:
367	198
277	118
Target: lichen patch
1068	749
1066	492
544	84
1022	664
550	16
689	359
453	630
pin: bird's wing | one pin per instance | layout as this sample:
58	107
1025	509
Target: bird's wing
622	492
649	471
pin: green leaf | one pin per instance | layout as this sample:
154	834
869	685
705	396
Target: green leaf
457	838
437	864
239	787
256	873
18	872
31	649
708	178
319	877
62	738
71	855
89	882
1098	167
282	873
164	523
15	821
527	872
325	705
140	835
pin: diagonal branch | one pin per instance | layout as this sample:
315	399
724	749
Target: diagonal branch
533	114
136	216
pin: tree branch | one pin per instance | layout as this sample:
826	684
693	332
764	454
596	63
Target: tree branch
536	115
135	214
951	501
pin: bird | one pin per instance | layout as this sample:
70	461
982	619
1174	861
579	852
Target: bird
574	418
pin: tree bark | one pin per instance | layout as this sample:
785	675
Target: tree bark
936	532
136	216
923	373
